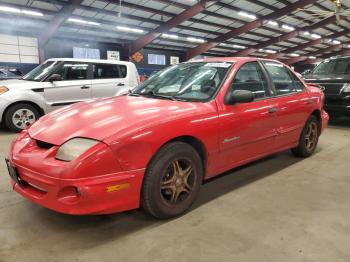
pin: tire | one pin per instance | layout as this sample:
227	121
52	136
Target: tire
170	187
308	138
25	113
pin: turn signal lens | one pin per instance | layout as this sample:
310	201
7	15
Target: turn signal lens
346	88
3	89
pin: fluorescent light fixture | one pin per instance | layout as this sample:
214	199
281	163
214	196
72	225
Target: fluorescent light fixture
193	39
294	55
269	51
81	21
315	36
129	29
239	46
337	42
288	27
312	57
10	9
245	14
306	33
170	36
348	46
223	44
33	13
273	23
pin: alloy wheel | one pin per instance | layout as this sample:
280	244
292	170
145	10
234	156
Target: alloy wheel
23	118
311	136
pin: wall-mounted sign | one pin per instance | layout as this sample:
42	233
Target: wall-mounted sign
113	55
174	60
137	57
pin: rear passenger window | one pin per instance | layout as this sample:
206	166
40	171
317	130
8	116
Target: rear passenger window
105	71
298	85
249	77
281	78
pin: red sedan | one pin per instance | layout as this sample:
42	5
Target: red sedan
154	147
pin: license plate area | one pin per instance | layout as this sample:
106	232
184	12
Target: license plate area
13	172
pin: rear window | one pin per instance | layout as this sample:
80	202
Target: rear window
333	66
108	71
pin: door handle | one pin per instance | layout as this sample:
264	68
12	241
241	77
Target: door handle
84	87
309	102
272	110
120	84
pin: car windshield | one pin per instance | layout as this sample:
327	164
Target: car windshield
196	81
333	66
41	71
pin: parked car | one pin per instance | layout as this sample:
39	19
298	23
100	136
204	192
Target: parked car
61	82
333	77
155	146
9	73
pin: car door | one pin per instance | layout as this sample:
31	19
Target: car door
247	130
74	85
109	80
294	104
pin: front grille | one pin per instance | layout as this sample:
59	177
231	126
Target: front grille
44	145
331	88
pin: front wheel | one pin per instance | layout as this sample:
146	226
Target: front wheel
308	139
20	116
172	181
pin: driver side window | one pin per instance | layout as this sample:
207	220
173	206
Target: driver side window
250	77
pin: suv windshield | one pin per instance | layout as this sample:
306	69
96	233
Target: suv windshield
41	71
197	81
333	66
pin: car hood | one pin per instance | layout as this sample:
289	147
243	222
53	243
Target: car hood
15	84
327	78
103	118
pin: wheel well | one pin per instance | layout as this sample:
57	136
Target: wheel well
40	110
197	145
317	114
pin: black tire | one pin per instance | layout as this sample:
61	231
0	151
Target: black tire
162	182
26	120
308	141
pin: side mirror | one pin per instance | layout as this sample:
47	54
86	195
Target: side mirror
54	78
239	96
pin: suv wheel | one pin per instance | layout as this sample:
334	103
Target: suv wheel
20	116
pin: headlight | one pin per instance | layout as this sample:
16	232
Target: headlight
346	88
3	89
74	148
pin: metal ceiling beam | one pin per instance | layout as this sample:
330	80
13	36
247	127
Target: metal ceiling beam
247	27
175	21
284	37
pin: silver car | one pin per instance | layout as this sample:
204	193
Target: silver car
61	82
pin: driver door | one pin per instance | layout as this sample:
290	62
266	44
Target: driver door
248	130
75	85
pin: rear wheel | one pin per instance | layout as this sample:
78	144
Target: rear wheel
308	139
20	116
172	181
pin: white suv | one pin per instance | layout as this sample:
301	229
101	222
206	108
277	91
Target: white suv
61	82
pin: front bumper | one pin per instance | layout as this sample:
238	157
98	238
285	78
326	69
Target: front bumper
338	103
94	195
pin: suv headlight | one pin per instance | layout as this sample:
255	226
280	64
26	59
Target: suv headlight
74	148
346	88
3	89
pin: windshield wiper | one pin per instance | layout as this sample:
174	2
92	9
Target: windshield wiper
153	94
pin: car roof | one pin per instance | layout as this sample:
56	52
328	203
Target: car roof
233	59
90	61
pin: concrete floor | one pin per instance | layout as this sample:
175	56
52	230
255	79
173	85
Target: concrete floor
277	209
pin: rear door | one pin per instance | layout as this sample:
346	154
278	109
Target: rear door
75	85
248	130
109	80
294	104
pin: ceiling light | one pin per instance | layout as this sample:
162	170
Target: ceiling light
273	23
10	9
294	55
81	21
170	36
33	13
239	46
128	29
306	33
288	27
312	57
315	36
269	51
245	14
193	39
337	42
223	44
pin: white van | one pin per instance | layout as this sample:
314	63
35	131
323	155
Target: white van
59	82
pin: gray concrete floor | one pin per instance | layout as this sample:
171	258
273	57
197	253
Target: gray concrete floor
277	209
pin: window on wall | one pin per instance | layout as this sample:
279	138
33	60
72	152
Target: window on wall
18	49
86	53
156	59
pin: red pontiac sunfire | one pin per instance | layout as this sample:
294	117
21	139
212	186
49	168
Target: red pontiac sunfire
154	147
